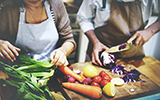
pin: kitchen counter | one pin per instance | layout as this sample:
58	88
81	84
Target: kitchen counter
147	65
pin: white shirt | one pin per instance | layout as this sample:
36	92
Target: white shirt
91	14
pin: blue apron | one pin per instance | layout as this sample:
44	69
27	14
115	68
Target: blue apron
39	39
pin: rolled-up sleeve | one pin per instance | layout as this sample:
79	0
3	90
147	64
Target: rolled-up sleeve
85	15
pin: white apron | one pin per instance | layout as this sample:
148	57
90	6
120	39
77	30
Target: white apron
39	39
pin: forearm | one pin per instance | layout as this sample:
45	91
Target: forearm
153	28
67	48
92	36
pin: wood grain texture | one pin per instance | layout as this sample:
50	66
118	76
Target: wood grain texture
148	65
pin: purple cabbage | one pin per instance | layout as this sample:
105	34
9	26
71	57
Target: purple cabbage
118	69
132	76
122	46
108	60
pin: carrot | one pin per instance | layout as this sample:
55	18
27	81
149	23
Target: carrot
67	70
92	91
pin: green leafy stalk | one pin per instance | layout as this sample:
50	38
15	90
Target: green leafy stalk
46	90
30	65
16	74
27	79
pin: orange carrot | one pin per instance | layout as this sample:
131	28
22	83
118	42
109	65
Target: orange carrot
67	70
92	91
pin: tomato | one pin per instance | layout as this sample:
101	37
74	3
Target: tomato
95	84
106	77
104	82
97	79
102	73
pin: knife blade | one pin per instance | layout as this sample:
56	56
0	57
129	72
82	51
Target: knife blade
119	48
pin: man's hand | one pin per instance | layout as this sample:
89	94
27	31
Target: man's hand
97	48
140	37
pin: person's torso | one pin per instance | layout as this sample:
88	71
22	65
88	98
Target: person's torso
102	15
39	38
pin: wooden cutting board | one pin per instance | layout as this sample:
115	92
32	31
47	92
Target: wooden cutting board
147	65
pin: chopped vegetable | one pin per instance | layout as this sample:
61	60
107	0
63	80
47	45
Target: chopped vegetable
92	91
77	71
67	70
108	61
132	76
118	69
122	46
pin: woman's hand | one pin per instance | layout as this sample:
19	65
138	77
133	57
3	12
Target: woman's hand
7	50
97	48
58	57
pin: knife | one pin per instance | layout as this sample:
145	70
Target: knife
119	48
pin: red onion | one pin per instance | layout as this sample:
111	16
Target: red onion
89	80
77	71
71	68
71	79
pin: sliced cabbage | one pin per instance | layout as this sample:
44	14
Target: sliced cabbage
132	76
107	59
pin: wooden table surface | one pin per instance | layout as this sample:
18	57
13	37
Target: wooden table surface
147	65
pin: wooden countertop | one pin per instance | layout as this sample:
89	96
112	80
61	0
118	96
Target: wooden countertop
147	65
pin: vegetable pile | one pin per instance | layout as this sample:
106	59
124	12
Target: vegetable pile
109	61
26	79
84	81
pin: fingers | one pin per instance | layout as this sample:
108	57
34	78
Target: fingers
132	38
139	41
58	58
95	59
1	55
8	54
9	51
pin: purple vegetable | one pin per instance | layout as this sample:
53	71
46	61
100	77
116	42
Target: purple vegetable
85	82
71	79
118	69
77	71
71	68
89	80
76	82
107	59
122	46
132	76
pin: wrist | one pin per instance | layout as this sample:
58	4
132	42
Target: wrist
63	50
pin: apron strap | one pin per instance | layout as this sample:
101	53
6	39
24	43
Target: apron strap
104	4
22	14
47	9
